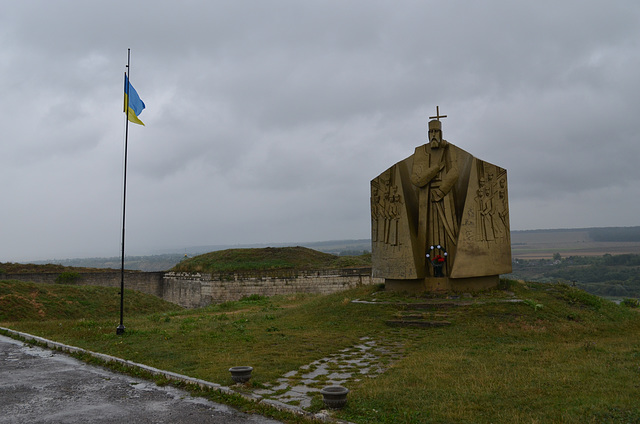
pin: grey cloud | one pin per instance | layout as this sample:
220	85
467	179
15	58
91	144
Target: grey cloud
265	121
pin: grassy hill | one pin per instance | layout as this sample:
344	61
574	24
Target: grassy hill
22	301
269	258
165	261
527	352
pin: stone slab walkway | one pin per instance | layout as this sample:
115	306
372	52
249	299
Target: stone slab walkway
367	359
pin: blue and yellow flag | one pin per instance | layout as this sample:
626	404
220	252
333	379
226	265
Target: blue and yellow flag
132	102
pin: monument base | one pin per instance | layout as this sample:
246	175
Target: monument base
442	285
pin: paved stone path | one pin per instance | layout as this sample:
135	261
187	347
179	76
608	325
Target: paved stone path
365	360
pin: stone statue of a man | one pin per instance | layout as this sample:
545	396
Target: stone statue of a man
443	234
435	173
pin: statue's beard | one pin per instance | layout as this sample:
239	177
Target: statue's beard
435	143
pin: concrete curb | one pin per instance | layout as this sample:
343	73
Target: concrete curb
172	376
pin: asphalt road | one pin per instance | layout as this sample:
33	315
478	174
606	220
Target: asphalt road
42	386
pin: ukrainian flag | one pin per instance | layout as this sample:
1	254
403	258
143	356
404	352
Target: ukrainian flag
132	102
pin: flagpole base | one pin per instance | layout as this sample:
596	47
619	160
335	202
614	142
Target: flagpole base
120	330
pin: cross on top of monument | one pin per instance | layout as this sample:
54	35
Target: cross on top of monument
438	116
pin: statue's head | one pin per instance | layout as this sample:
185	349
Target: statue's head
435	133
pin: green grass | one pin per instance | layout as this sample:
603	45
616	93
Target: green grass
270	258
560	355
574	359
23	302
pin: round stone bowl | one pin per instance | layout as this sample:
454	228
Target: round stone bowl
240	374
334	397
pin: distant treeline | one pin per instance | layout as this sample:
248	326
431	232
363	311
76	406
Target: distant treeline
142	263
607	275
615	234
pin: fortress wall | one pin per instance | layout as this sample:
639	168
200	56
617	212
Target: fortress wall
197	290
193	290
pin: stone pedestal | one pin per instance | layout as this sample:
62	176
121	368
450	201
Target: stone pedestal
442	285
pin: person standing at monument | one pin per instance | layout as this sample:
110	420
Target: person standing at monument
435	173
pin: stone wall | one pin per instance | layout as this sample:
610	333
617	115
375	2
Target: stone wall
197	290
193	290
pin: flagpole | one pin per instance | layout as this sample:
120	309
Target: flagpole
120	328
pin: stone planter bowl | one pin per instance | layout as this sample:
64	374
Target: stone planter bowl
334	397
240	374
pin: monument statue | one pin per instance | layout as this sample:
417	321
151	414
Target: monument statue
440	220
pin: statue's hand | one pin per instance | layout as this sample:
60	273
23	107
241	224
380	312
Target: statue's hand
415	179
437	195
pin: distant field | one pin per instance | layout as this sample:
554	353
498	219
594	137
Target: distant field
542	244
533	244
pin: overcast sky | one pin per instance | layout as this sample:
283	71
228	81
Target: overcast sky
266	120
